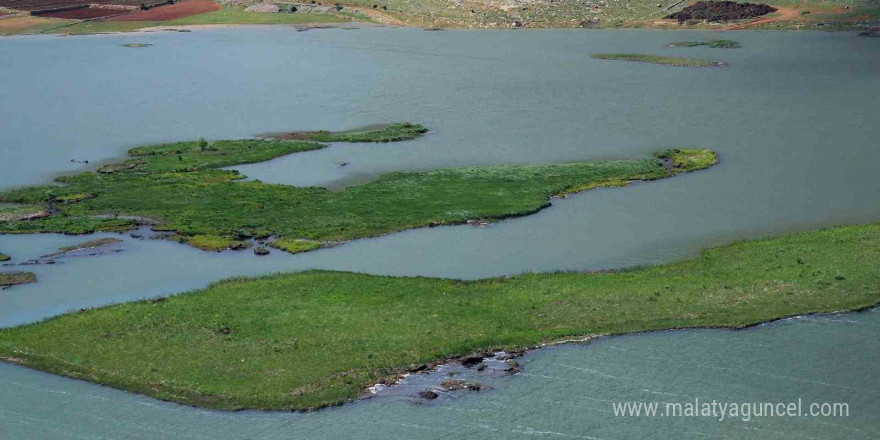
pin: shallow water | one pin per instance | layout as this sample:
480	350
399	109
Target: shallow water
562	392
793	118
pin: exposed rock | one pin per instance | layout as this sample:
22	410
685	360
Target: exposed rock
455	384
428	394
239	245
259	250
470	361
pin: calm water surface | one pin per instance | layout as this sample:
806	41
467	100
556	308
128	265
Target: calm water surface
564	392
793	118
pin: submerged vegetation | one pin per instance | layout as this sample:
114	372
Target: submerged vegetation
14	278
715	44
656	59
390	133
305	340
91	244
178	187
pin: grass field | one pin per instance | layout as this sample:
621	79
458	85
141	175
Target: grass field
225	16
306	340
656	59
29	24
232	16
180	186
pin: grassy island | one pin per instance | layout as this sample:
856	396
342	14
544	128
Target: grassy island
13	278
715	44
4	257
179	187
390	133
656	59
305	340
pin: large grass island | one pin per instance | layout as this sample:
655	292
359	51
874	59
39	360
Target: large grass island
305	340
181	188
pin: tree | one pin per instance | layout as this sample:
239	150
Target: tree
203	144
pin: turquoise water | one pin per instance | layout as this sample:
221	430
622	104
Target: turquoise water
793	118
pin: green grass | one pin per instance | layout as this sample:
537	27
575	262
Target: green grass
656	59
305	340
232	16
179	186
391	133
226	16
295	246
99	27
191	156
715	44
213	242
4	257
14	278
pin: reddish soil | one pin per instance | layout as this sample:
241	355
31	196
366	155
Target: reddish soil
170	12
84	13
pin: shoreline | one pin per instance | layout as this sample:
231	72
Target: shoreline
371	391
760	24
375	390
726	287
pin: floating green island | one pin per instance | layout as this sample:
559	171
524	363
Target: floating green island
180	188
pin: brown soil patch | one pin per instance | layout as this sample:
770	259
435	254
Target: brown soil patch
171	12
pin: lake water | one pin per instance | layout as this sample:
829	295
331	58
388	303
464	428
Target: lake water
564	392
793	118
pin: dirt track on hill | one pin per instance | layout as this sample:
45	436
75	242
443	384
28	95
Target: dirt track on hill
378	16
